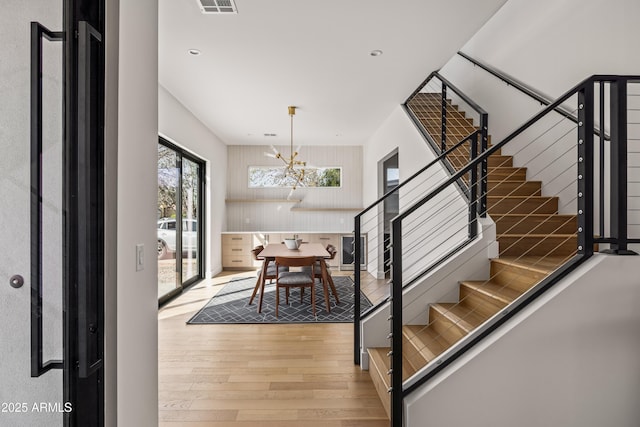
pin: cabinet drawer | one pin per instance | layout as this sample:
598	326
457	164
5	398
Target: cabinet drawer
327	239
237	240
244	261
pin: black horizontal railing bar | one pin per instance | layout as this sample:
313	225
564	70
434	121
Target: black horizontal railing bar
527	90
469	341
417	277
449	85
511	81
412	177
485	155
422	273
461	94
481	112
421	86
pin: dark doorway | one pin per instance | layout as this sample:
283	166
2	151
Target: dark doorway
391	205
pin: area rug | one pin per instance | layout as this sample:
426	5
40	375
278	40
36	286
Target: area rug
231	305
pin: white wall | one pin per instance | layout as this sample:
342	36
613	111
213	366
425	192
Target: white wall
551	47
554	45
397	131
137	190
179	126
112	12
570	359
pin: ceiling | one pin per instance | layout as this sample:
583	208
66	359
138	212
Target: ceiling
311	54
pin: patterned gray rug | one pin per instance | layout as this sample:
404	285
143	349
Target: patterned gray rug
231	305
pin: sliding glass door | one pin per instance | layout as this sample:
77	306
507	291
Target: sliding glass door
180	226
190	218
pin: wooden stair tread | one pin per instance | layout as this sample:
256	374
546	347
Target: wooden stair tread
522	204
539	236
514	188
522	198
425	340
460	315
533	215
537	244
379	365
497	291
379	356
538	264
521	223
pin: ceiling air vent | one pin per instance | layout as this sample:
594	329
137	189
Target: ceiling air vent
217	6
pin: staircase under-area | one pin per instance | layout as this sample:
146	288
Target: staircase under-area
534	240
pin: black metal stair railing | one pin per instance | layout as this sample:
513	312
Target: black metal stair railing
434	99
459	141
577	188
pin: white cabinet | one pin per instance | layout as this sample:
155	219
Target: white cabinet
236	251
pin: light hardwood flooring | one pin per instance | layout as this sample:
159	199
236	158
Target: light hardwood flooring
260	375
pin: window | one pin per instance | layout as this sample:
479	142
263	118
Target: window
275	177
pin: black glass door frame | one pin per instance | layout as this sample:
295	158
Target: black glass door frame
84	204
181	284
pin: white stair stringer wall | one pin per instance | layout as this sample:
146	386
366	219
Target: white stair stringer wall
568	359
439	285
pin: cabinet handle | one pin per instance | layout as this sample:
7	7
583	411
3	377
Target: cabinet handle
236	250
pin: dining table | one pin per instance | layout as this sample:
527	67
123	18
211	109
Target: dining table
273	250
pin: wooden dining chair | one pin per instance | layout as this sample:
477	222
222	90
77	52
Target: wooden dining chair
270	273
295	279
318	274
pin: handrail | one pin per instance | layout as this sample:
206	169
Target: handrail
478	141
483	125
489	151
527	90
457	91
446	85
357	317
585	233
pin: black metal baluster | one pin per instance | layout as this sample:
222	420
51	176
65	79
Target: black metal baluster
585	169
618	168
356	292
443	114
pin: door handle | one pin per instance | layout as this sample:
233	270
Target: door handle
38	32
89	347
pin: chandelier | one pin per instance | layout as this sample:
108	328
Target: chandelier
294	169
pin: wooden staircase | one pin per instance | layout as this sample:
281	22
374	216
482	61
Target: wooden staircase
533	239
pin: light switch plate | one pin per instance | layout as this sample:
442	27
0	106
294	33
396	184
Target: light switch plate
139	257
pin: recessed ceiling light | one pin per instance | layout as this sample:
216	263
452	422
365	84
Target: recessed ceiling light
376	52
194	52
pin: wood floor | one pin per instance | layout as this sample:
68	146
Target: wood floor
260	375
